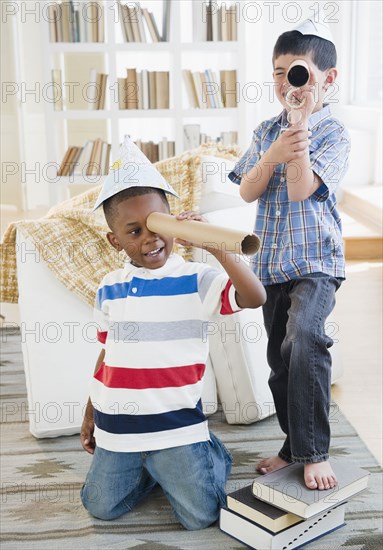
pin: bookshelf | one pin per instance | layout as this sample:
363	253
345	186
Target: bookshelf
75	122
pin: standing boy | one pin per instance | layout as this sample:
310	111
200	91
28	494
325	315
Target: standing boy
144	422
294	175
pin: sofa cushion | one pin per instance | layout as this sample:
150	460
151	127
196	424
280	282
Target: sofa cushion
217	191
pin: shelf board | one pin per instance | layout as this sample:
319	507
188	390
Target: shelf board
76	47
79	180
226	46
229	111
100	47
144	46
77	114
144	113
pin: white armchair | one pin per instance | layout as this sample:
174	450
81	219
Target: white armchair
58	333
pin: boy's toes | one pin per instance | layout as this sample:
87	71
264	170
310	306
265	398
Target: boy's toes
311	482
319	476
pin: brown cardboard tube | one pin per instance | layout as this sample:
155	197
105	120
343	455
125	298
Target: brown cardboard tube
204	234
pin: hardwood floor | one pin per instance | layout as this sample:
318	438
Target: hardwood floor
358	315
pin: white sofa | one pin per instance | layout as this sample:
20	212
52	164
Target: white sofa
58	334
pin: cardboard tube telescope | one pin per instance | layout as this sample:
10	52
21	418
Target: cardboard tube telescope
298	73
200	233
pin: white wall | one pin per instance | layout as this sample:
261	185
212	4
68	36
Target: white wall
11	190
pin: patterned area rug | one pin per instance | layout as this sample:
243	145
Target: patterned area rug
41	479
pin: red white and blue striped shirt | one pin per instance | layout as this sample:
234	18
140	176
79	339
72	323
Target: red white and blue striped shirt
302	237
153	324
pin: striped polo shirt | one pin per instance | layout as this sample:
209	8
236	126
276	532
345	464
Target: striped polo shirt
153	324
299	237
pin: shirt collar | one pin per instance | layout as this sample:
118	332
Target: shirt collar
174	261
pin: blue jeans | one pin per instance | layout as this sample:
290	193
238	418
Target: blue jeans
294	314
192	477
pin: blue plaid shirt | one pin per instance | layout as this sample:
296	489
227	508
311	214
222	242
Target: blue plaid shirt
300	237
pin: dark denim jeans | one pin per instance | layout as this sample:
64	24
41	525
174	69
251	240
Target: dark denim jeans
295	313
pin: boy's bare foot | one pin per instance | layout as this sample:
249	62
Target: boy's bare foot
319	475
270	464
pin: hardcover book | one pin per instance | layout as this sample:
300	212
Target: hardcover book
259	538
243	502
285	488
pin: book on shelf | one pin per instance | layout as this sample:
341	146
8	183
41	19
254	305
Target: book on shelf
75	21
152	90
162	89
131	89
215	22
166	4
91	159
259	538
190	88
229	138
80	168
157	151
151	25
285	488
96	90
137	24
94	166
102	91
144	90
193	137
65	166
204	91
229	91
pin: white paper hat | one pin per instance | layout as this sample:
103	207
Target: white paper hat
317	29
132	169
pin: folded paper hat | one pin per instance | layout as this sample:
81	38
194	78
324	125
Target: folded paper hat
317	29
131	169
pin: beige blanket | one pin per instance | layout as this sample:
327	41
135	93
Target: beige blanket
71	240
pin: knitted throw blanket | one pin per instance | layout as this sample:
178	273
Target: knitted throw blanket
71	239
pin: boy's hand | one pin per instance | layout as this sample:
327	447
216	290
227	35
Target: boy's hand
290	145
306	95
88	441
189	215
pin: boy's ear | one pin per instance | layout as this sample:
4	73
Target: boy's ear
113	241
330	78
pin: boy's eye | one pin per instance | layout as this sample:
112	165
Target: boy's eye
135	231
278	74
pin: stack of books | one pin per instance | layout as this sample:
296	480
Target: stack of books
76	21
144	90
90	160
206	91
278	511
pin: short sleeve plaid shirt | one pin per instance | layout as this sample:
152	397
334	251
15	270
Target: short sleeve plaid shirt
298	238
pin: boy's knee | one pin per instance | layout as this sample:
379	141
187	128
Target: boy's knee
197	523
97	506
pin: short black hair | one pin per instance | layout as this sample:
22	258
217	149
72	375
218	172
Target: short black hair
323	52
110	205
